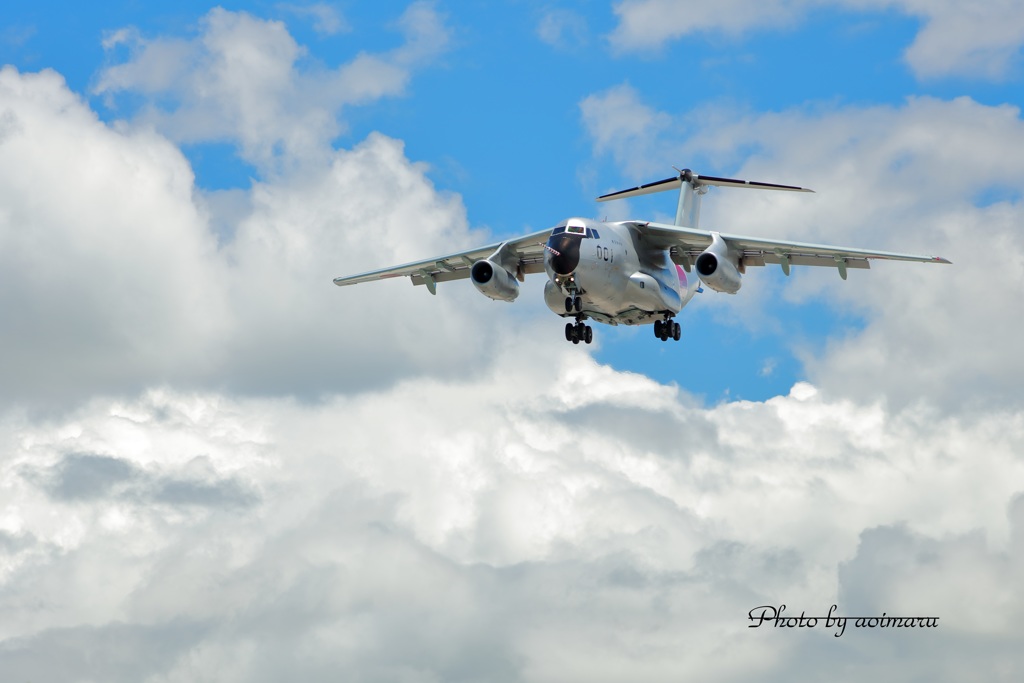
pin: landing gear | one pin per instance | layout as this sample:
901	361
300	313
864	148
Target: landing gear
573	303
579	332
663	329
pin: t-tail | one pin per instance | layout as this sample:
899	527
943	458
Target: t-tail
691	188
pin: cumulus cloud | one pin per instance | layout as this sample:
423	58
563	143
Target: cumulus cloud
973	40
115	276
519	534
246	81
84	476
106	266
913	178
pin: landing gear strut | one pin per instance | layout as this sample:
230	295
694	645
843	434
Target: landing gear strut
663	329
579	332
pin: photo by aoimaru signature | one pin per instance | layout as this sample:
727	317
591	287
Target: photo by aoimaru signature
769	613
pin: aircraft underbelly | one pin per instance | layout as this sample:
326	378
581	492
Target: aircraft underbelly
620	298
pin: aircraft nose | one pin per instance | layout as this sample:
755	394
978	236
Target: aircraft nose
563	253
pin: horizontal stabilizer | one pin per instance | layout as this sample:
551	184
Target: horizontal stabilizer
697	181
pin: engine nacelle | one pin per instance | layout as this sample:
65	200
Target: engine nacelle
717	268
494	281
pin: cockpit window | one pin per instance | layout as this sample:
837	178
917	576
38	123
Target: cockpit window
559	230
594	233
576	230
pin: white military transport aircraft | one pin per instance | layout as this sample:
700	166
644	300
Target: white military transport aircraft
629	272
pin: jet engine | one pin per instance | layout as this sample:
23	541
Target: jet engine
494	281
717	268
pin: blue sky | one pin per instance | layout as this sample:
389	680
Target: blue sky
497	117
217	466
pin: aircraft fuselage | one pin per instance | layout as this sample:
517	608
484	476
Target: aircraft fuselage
618	279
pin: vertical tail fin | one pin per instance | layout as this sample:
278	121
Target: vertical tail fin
690	193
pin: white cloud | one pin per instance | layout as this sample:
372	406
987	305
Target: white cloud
445	530
425	33
371	208
901	179
973	40
115	276
326	19
623	126
562	28
106	268
245	80
647	24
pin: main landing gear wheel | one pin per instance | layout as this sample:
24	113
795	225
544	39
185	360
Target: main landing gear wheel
579	332
664	329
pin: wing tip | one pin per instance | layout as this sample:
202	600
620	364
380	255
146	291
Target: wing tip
939	259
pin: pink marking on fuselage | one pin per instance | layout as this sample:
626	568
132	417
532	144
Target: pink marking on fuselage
682	277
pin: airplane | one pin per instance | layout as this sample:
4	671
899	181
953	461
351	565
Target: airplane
630	272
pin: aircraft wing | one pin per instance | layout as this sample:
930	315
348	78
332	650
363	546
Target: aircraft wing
521	256
686	244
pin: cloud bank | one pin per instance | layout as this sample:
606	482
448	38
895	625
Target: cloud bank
519	535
